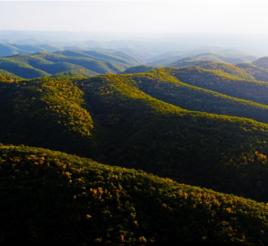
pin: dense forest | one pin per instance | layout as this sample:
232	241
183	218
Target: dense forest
96	147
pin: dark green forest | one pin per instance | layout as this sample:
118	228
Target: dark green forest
95	147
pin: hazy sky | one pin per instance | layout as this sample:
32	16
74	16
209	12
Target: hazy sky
137	16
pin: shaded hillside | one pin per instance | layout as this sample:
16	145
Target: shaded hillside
261	62
138	69
259	73
67	199
225	83
75	62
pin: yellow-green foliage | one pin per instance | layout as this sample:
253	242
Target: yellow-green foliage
225	83
56	100
8	77
54	197
49	112
118	93
227	70
136	130
65	101
162	85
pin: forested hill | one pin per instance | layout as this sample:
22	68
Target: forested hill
125	119
66	62
187	127
67	199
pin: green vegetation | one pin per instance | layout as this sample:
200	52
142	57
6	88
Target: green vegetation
53	197
20	69
225	83
200	126
160	84
136	130
259	73
138	69
64	62
113	119
47	112
221	67
8	77
226	58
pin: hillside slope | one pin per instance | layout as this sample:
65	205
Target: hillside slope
110	119
61	62
8	77
219	66
48	112
63	198
259	73
162	85
9	49
225	83
261	62
134	129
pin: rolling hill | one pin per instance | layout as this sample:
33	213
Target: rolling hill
259	73
220	66
217	56
193	60
258	68
131	127
67	199
196	128
138	69
9	49
261	62
162	85
116	119
45	112
66	62
8	77
225	83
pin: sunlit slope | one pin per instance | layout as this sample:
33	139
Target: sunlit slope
162	85
54	197
47	112
218	66
8	77
224	83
